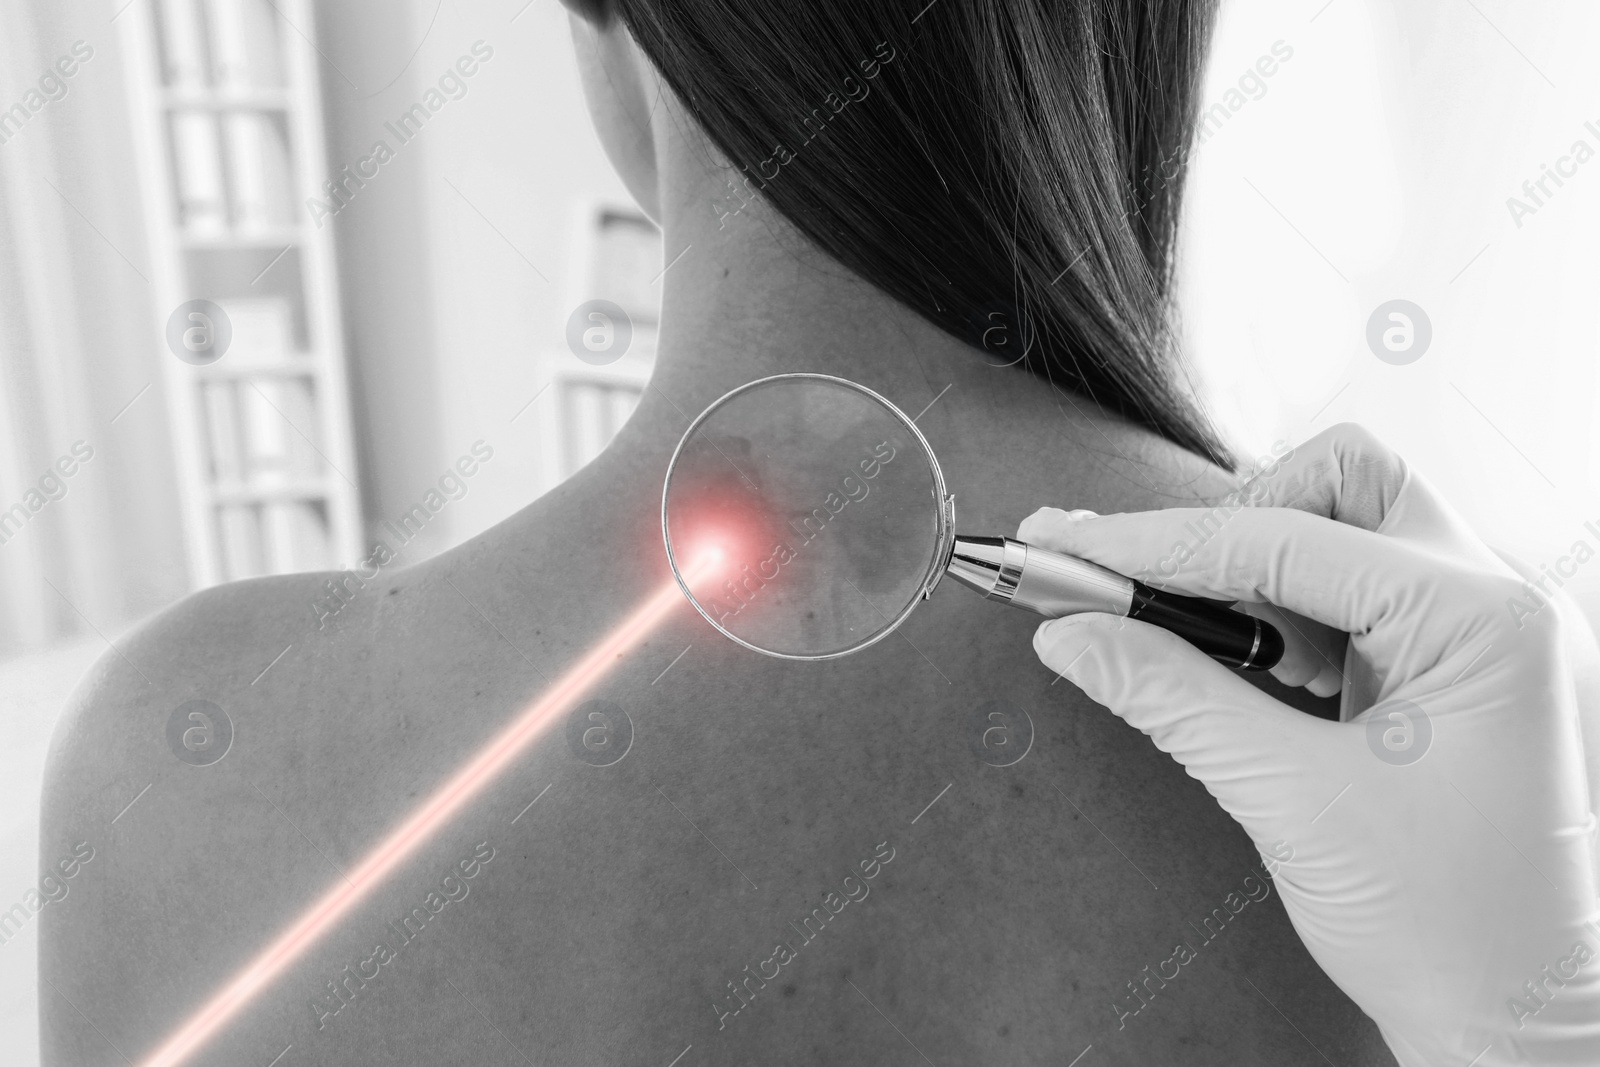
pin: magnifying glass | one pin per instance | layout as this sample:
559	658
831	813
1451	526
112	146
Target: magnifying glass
806	517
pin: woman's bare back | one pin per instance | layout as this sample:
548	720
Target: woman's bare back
927	852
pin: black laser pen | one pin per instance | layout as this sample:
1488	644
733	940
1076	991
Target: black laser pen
1053	584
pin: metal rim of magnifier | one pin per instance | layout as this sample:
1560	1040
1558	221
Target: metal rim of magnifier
944	513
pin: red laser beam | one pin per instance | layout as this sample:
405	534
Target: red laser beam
427	817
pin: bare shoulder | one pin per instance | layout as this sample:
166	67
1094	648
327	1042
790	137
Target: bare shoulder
210	641
131	802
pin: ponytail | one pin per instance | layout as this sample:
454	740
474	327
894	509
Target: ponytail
1004	165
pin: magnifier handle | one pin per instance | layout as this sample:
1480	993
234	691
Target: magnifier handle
1054	584
1227	636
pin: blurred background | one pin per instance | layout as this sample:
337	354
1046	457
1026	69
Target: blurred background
270	269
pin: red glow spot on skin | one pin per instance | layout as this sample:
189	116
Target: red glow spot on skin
709	558
722	527
448	799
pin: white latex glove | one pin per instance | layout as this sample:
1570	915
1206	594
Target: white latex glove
1443	861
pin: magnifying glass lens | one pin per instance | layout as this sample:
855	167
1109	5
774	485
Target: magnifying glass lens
801	514
805	516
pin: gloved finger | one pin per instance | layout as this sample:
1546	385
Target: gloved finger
1583	656
1249	750
1347	474
1343	473
1338	575
1312	652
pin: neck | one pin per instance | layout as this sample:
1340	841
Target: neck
745	296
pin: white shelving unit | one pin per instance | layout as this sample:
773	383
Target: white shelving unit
227	118
616	256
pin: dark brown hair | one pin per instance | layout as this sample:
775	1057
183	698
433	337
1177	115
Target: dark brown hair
990	163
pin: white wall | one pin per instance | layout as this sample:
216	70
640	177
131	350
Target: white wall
1391	141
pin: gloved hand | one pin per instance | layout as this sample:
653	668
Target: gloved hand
1443	866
